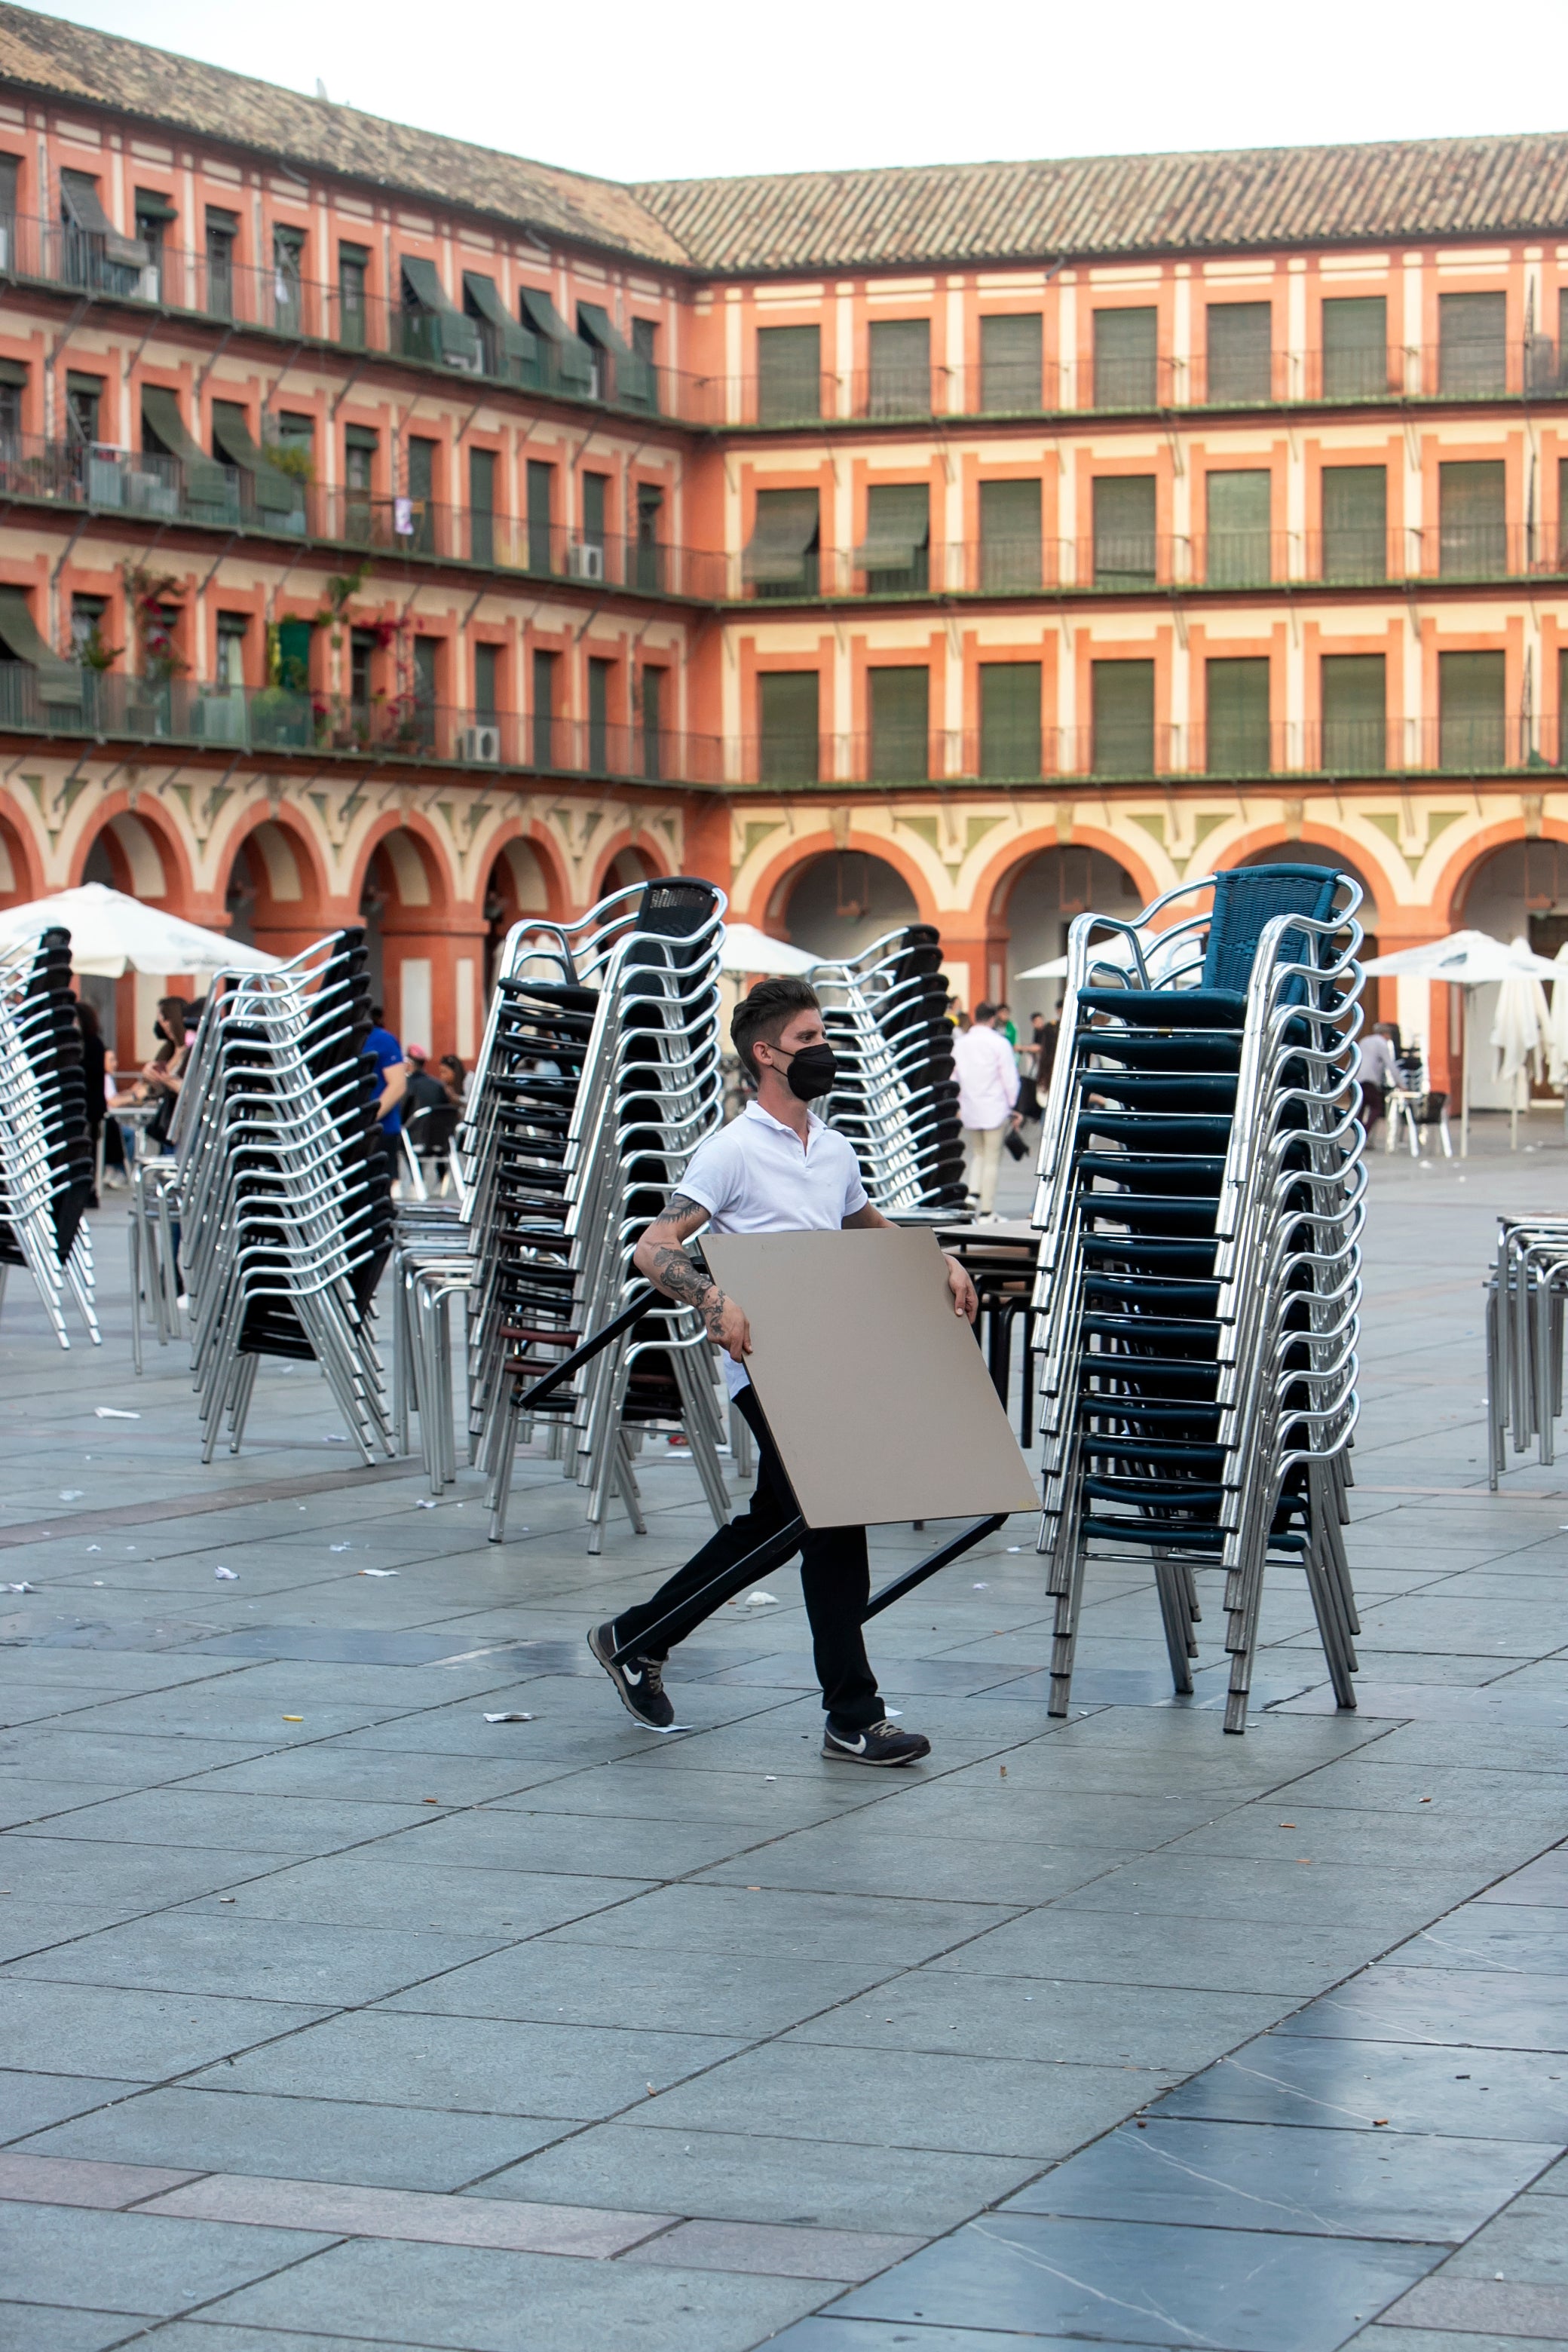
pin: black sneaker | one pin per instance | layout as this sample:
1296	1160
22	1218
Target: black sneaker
639	1681
879	1743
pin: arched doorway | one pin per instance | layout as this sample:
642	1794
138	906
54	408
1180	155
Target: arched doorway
273	896
517	885
626	869
1520	891
128	855
1038	901
423	962
838	904
16	886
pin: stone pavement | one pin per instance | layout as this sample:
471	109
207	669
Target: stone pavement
337	2015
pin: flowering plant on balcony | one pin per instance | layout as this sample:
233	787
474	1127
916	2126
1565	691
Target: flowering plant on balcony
159	659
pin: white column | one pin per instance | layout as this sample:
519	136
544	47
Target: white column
957	350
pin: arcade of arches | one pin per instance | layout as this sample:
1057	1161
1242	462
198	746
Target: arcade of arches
437	874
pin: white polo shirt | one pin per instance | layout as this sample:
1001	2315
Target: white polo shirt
756	1177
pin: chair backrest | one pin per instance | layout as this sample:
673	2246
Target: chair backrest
1246	898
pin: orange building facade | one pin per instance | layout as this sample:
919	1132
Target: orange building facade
392	531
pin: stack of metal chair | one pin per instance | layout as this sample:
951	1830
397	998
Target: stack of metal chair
1525	1297
45	1152
1200	1206
598	1075
896	1098
285	1189
432	1266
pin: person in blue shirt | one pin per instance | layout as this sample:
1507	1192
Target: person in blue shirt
382	1048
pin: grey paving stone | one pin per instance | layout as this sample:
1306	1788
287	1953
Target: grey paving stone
88	2029
1353	2085
1526	2242
1545	1880
29	2103
1467	2005
1383	1905
480	2066
301	2139
752	2177
1428	2339
593	1984
825	2334
1245	2289
1476	1843
39	2327
753	1800
370	1777
83	1756
1198	1955
471	2302
977	2107
898	1933
513	1840
135	2263
945	1869
190	1817
367	1890
1510	1935
216	1952
195	2336
1295	2178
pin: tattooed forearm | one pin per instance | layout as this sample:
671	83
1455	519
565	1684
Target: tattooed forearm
676	1276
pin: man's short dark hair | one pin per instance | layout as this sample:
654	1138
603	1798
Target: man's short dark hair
766	1013
986	1013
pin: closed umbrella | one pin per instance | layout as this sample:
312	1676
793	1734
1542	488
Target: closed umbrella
112	934
1466	960
1557	1029
1519	1032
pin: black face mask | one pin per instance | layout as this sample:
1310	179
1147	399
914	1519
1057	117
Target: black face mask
812	1071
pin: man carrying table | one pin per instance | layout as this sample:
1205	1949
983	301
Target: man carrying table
777	1168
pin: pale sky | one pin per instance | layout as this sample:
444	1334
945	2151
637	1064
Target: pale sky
637	89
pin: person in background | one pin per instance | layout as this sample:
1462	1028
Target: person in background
94	1066
987	1071
166	1070
382	1048
1379	1071
1006	1025
1046	1035
455	1079
424	1090
961	1021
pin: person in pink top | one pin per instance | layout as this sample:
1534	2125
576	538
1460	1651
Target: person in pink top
987	1072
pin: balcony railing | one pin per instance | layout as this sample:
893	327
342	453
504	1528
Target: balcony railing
277	720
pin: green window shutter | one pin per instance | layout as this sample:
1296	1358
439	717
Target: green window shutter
1355	522
1237	692
1240	540
1240	351
1472	525
487	673
1011	363
1122	695
567	364
650	718
1355	734
421	468
595	488
295	639
1563	708
900	725
544	728
1355	347
1010	720
1472	350
900	352
1010	534
780	556
1126	359
895	553
481	506
540	513
207	484
789	374
1124	542
598	715
425	657
789	726
509	349
433	326
1472	725
57	681
275	493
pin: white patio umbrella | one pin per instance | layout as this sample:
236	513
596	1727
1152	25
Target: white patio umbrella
1519	1032
112	934
746	949
1557	1029
1467	960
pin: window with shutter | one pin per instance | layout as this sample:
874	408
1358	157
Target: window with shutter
1011	367
1126	359
650	551
1354	708
1562	738
900	723
1355	347
788	726
1355	522
482	506
540	513
895	554
650	712
1124	543
487	674
1010	534
1473	728
1122	695
353	273
599	716
1236	695
1010	720
899	375
1239	538
421	536
596	496
781	557
545	708
1240	351
426	690
789	374
1472	525
1472	352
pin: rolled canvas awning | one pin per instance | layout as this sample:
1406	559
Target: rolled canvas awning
574	361
460	336
58	681
634	374
898	527
276	493
784	530
517	342
205	481
78	193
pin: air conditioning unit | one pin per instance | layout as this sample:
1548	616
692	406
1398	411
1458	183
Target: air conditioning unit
482	743
585	561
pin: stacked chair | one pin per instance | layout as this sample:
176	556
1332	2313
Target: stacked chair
598	1075
432	1266
1524	1338
45	1151
896	1098
284	1183
1200	1204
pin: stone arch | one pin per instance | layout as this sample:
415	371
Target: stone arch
20	879
425	952
276	892
137	850
837	903
1036	901
1452	880
770	891
524	877
1317	844
626	859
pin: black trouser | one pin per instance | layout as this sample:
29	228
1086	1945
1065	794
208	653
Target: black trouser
835	1576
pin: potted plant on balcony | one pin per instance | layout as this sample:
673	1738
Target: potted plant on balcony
158	661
